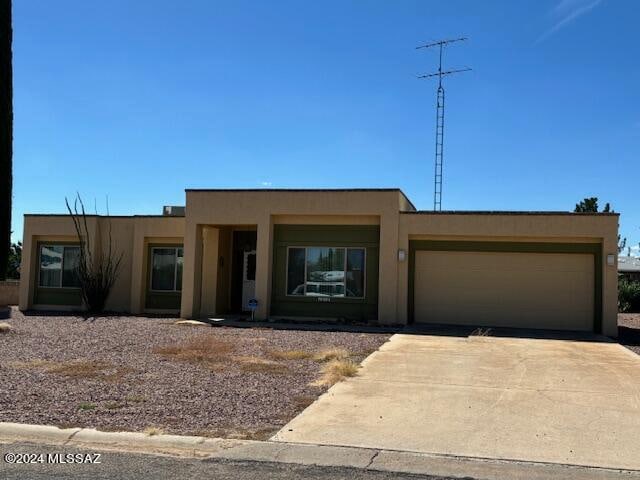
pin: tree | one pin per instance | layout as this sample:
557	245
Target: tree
622	243
590	205
98	265
15	257
6	133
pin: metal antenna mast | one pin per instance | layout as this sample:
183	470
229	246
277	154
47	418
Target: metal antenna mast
437	191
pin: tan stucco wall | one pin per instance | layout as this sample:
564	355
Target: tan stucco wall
517	227
212	215
261	209
130	235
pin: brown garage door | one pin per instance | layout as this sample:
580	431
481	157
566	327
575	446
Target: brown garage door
524	290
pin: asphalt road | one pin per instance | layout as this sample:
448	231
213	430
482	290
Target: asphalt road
137	466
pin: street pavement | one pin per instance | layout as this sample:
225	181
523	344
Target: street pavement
142	467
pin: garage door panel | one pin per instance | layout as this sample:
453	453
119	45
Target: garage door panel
528	290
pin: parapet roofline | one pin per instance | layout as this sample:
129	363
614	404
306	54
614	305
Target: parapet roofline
293	190
303	190
508	212
91	215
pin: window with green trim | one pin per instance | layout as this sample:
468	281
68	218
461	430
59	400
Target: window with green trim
166	269
326	272
59	266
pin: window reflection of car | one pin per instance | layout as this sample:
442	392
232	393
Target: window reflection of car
299	290
333	276
327	276
317	289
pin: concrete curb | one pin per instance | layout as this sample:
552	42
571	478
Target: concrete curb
37	433
303	454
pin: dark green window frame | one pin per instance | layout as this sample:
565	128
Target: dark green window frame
61	284
160	300
344	269
54	296
346	236
178	253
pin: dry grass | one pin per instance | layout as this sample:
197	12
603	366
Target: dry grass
5	327
260	365
335	371
151	431
79	369
303	401
331	354
36	363
135	399
290	354
481	332
202	349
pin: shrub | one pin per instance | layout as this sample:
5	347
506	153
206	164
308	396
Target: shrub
335	371
628	296
98	266
331	354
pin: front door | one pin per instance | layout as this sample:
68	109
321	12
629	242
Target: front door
248	278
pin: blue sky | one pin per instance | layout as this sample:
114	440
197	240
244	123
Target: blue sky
137	100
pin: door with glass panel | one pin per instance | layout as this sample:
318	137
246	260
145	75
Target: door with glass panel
248	278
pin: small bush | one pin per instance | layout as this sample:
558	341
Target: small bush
628	296
331	354
87	406
335	371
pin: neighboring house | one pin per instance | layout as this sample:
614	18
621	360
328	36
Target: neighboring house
360	255
629	268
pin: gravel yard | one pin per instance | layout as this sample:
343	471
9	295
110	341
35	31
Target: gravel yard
137	373
629	331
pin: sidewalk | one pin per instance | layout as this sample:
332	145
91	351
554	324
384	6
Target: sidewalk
280	452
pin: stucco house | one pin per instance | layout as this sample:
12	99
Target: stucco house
362	255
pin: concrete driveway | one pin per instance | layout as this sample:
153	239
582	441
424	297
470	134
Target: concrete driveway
558	401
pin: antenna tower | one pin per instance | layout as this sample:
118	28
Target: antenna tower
437	190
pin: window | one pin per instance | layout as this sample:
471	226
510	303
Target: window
326	272
59	266
166	268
